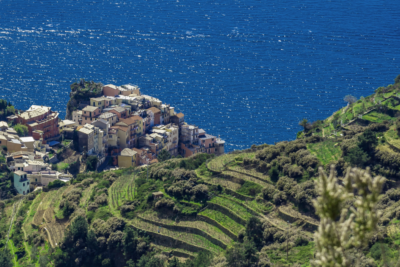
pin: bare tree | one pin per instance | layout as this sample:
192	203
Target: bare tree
350	99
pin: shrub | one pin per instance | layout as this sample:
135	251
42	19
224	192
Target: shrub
269	192
286	185
67	210
282	161
309	161
301	241
164	203
295	171
274	174
268	153
21	130
56	184
367	140
279	198
91	163
101	200
376	250
92	206
250	189
294	146
393	194
357	157
200	191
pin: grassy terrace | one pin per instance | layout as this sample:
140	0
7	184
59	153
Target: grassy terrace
224	183
57	199
223	220
191	239
62	166
190	223
300	254
218	164
377	117
325	151
27	226
392	137
86	194
172	250
122	189
232	206
245	177
251	172
259	207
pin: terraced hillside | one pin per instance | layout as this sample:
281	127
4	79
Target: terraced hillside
248	208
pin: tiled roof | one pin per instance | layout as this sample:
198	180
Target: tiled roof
154	110
128	152
131	120
122	128
107	115
90	108
111	86
34	111
85	130
119	109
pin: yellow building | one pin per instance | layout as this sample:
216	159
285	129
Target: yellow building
100	102
122	135
127	158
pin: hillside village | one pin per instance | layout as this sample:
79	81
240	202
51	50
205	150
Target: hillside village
119	127
256	207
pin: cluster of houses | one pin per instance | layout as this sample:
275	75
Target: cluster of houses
129	127
28	157
135	128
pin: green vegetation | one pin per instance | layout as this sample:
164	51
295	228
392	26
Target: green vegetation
91	163
326	151
247	208
6	109
249	189
21	130
62	166
223	219
377	117
232	206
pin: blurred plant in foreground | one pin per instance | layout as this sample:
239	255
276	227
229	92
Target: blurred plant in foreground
341	228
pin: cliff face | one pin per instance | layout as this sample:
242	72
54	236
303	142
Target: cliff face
81	92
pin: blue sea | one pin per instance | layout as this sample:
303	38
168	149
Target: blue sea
247	70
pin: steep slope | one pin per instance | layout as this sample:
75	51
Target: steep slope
258	200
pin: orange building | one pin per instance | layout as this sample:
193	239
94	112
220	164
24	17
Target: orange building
40	118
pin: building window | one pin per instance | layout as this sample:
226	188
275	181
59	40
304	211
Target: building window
85	112
23	184
212	139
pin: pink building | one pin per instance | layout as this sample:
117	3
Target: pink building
112	90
